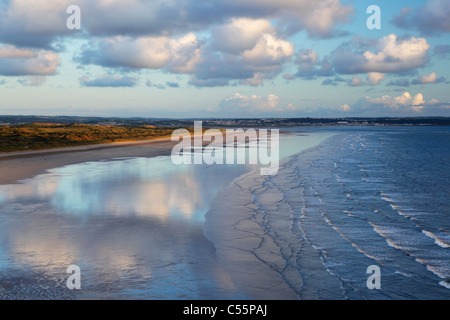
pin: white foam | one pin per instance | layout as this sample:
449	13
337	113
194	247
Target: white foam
438	241
445	284
383	234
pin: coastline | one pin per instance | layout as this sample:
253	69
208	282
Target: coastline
20	165
235	229
236	224
16	166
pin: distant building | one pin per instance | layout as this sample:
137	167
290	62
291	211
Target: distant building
108	123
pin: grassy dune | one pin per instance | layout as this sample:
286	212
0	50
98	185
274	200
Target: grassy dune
45	136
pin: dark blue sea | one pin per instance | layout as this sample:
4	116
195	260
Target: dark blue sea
377	196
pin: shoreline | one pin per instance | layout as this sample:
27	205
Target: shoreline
21	165
86	147
237	226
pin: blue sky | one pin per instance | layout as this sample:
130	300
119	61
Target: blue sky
217	58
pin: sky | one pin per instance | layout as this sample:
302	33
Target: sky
225	58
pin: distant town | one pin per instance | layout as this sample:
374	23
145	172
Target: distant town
269	122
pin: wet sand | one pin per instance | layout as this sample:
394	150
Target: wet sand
230	232
234	227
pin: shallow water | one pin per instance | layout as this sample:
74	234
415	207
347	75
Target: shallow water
134	226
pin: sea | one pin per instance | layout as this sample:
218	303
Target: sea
348	207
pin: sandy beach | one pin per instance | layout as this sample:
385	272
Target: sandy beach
155	199
16	166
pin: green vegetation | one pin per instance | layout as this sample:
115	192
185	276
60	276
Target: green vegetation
36	136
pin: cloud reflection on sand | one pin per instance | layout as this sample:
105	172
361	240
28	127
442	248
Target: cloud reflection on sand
134	226
128	187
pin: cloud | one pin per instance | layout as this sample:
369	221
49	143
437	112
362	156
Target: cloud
148	83
172	84
109	81
289	76
19	62
134	17
258	79
310	66
240	34
33	23
442	51
22	22
177	55
356	82
268	53
33	81
392	54
318	18
260	56
239	104
333	82
306	61
403	82
430	18
426	79
374	57
245	47
345	108
403	102
375	78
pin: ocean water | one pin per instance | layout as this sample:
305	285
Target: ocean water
365	197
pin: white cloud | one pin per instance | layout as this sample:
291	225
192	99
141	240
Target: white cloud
431	78
322	16
268	52
259	56
375	78
396	54
19	62
392	54
255	105
428	79
404	101
356	82
178	55
345	108
306	60
258	79
240	34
